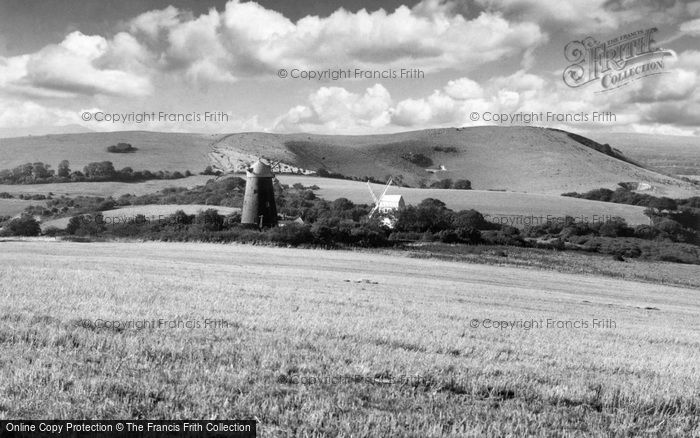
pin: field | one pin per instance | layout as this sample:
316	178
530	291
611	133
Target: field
12	207
156	150
155	213
104	189
501	206
504	205
317	343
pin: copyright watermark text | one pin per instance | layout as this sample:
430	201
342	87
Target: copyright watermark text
154	324
527	118
336	74
153	116
543	323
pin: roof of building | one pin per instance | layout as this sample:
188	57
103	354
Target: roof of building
391	201
260	169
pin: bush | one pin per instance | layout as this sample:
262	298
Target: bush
209	171
52	231
23	226
430	215
469	235
417	159
615	228
448	236
291	234
446	149
210	220
86	225
369	236
463	184
442	184
470	219
121	148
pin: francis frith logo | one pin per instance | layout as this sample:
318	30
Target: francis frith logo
616	62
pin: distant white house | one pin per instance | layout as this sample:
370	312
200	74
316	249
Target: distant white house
439	169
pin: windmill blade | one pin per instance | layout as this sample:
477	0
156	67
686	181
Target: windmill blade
272	165
374	210
385	189
374	197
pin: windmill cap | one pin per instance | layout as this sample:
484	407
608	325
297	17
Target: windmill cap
260	169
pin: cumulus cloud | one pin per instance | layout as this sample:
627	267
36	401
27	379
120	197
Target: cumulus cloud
17	114
247	39
80	64
464	88
595	16
577	16
336	109
453	104
691	27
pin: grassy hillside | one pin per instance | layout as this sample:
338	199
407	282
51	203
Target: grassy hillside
350	343
156	150
521	159
104	189
12	207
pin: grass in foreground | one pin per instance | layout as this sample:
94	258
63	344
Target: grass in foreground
569	261
298	321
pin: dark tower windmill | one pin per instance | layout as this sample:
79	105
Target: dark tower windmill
259	200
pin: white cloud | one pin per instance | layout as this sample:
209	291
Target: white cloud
336	109
16	114
464	88
152	23
75	66
577	16
691	27
331	110
247	39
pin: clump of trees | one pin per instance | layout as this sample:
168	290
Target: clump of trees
418	159
447	183
226	192
675	219
445	149
623	195
41	173
210	171
121	148
24	225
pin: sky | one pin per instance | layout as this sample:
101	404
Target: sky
232	66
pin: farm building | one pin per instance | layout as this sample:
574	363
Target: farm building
389	203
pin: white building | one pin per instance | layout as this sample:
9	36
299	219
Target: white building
389	203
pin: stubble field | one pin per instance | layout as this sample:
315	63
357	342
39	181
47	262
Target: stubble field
335	343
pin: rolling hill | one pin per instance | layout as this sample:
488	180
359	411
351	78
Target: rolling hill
518	159
515	159
156	150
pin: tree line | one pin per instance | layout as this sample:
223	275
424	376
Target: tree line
41	173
